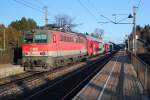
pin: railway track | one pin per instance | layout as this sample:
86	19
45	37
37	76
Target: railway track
68	86
22	87
15	78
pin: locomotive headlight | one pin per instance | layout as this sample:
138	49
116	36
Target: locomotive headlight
43	53
25	53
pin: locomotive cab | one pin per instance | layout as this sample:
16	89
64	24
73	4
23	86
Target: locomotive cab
35	50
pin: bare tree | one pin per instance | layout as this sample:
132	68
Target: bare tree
65	22
98	33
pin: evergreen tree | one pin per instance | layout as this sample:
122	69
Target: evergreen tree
23	24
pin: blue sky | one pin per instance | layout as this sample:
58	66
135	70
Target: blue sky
11	10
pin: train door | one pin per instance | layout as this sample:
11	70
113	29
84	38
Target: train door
90	48
56	47
94	48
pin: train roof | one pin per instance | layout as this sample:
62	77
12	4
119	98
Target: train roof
93	38
50	30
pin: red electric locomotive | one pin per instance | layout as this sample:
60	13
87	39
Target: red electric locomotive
45	50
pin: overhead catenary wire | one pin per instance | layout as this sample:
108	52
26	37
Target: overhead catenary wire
107	19
101	14
122	19
29	6
98	12
140	1
43	3
90	13
139	4
40	2
35	5
93	6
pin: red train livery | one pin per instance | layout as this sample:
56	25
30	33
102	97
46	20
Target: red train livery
92	45
45	50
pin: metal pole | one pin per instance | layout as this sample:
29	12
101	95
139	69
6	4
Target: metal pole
46	14
134	30
128	45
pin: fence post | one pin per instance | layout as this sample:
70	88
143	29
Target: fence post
1	55
137	67
145	81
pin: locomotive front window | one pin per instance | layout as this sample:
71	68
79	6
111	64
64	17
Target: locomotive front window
28	38
40	38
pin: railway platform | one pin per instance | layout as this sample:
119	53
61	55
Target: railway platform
116	81
7	70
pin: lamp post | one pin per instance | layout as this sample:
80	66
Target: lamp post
134	30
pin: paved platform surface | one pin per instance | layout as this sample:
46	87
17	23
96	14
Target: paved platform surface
116	81
9	70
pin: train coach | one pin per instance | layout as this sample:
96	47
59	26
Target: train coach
94	46
45	50
107	47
